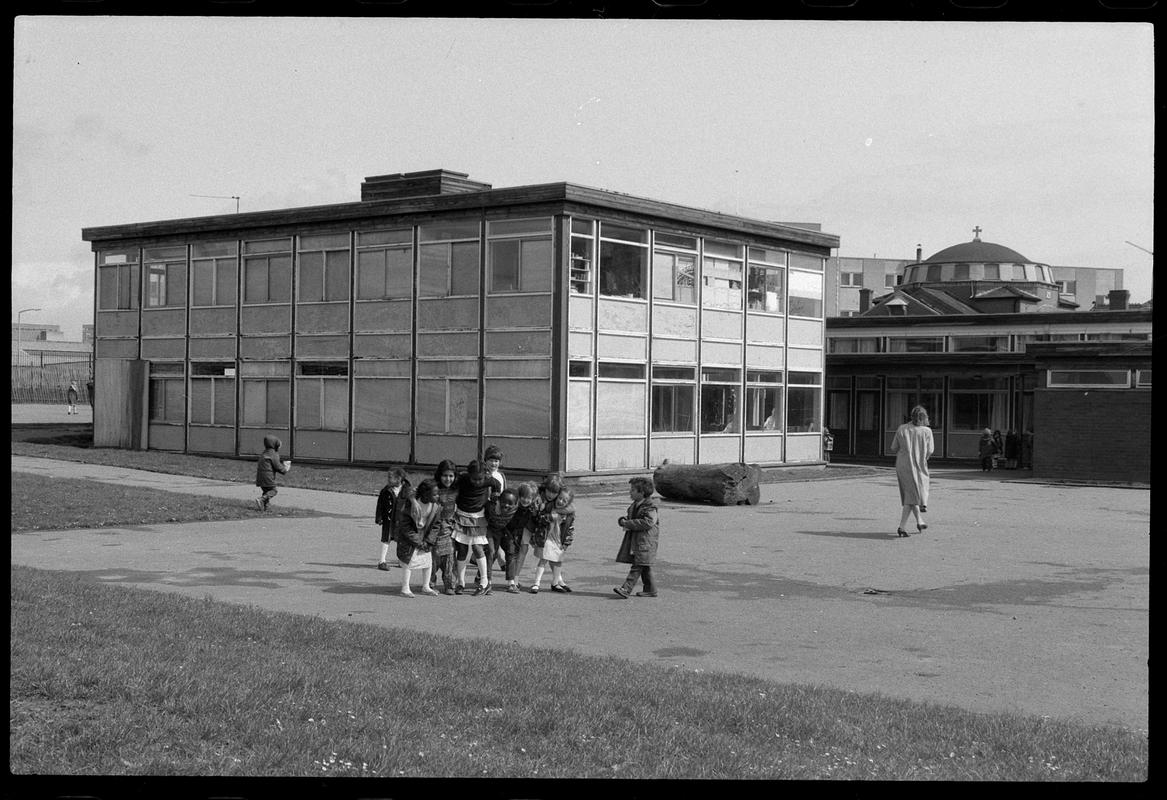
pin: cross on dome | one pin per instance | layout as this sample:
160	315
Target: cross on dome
977	233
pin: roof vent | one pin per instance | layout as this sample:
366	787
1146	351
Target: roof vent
418	184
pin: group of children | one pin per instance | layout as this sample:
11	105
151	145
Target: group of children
437	527
452	518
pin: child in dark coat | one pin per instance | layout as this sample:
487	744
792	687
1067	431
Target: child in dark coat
413	534
270	464
443	530
499	515
641	532
391	505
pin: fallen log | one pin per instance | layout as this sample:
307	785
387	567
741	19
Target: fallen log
729	484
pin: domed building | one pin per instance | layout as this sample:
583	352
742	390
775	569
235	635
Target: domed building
980	336
973	277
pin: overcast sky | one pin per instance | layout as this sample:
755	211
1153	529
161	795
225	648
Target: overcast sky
888	134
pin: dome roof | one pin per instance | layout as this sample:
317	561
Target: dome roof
978	252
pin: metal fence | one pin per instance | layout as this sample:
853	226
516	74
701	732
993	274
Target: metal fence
48	383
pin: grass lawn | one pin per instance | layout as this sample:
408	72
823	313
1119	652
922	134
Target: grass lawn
65	503
111	680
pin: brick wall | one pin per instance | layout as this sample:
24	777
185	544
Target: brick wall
1092	434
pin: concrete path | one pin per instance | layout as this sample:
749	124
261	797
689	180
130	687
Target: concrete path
1019	597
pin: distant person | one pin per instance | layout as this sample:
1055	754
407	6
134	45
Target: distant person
71	397
391	504
913	447
270	464
1000	454
1027	449
641	533
987	449
1012	449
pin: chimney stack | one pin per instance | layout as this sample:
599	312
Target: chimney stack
1118	299
919	252
864	300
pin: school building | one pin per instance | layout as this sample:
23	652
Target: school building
580	330
983	338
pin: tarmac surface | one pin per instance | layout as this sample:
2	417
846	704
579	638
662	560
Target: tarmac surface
1020	596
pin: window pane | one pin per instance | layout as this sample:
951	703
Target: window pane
463	411
308	403
720	409
581	264
608	369
1089	377
464	269
536	265
280	279
622	270
400	272
224	401
504	265
226	278
311	277
336	275
435	270
442	231
334	415
431	406
107	286
579	408
255	280
517	408
673	277
802	409
200	401
512	227
672	408
806	294
765	289
381	405
204	283
610	231
722	283
372	275
762	407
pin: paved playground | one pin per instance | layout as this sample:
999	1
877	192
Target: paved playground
1019	597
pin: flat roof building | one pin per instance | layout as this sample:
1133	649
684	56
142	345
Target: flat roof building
578	329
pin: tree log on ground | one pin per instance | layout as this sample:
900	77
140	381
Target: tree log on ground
729	484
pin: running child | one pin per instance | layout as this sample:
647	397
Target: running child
270	464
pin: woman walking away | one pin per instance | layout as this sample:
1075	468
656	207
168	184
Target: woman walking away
913	447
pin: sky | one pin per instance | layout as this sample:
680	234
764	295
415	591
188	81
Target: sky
887	134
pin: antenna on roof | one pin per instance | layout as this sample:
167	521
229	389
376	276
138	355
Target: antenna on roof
234	197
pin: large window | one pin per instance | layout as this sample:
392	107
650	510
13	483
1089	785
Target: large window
519	255
766	279
165	276
267	271
266	394
167	393
215	271
1067	287
623	261
672	399
447	397
904	394
803	402
212	393
763	400
324	268
583	254
384	265
806	294
721	276
620	397
117	280
850	278
448	255
720	400
322	395
674	268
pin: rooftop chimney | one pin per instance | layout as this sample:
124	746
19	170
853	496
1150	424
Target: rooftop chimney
919	252
1118	299
418	184
864	299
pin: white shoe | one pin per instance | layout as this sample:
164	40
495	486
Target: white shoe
428	590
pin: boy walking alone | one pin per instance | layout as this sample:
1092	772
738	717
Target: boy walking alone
270	463
641	532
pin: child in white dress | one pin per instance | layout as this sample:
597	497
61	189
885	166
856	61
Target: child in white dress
553	534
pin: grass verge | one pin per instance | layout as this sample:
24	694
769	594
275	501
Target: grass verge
63	503
110	680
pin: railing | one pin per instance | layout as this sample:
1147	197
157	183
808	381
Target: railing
49	383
